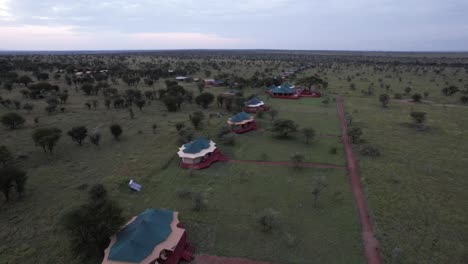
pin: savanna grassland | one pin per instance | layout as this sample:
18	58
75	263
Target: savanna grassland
415	188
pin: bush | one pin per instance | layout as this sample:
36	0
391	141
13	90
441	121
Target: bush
204	99
297	159
196	118
398	96
283	127
464	99
199	202
47	138
184	193
384	99
417	97
229	139
78	134
116	131
12	177
333	150
370	151
12	120
269	219
91	225
355	134
418	117
5	155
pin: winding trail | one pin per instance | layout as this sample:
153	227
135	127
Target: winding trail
291	164
371	245
207	259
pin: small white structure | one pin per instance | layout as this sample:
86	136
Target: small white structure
134	186
181	78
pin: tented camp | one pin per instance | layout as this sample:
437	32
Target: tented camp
241	123
199	154
153	237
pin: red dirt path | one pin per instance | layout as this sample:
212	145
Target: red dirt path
205	259
287	163
371	245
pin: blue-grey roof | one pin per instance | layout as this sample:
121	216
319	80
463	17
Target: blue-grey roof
240	117
254	101
137	240
197	145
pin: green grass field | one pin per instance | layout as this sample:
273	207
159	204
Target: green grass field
416	190
235	193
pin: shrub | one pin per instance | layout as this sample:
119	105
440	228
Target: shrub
199	202
384	99
464	99
398	96
417	97
5	155
78	134
196	118
204	99
370	151
47	138
297	159
309	134
12	177
269	219
12	120
333	150
229	139
283	127
418	117
184	193
116	131
355	134
92	224
95	138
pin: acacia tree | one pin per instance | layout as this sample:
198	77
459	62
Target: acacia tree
309	134
384	99
318	186
355	134
92	224
196	118
116	131
47	138
12	177
273	113
25	79
12	120
78	134
204	99
5	155
284	127
311	81
419	118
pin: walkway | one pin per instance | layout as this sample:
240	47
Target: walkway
291	164
371	245
205	259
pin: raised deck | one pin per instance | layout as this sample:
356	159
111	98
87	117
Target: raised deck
216	156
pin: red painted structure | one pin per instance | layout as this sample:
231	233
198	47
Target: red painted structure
240	129
283	96
307	93
253	110
206	162
183	251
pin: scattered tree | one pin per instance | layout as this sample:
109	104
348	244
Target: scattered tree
204	99
91	225
12	120
116	131
309	134
5	156
46	138
284	127
269	219
384	99
355	134
78	134
196	118
297	159
417	97
318	186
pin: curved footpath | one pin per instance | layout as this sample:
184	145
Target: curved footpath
291	164
371	245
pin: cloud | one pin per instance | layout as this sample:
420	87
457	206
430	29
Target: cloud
290	24
69	38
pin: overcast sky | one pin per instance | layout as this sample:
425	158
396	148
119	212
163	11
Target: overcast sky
398	25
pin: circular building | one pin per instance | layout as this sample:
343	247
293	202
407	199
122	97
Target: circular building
199	154
241	123
254	105
154	236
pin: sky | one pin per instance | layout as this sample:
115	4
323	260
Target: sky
379	25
